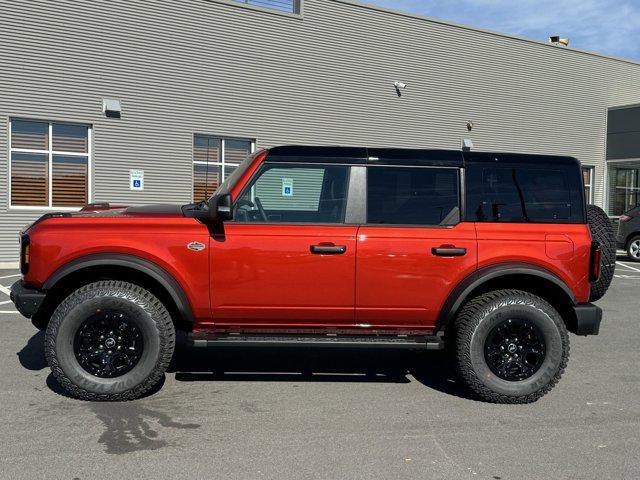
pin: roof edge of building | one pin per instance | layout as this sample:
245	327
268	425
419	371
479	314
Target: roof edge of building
402	13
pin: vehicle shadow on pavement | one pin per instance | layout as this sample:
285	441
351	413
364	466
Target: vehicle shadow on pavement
288	364
31	356
298	364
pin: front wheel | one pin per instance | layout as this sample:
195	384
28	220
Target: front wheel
109	340
511	346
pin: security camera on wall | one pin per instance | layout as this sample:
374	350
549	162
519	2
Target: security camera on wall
399	87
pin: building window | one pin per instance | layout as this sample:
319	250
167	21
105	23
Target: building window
214	159
290	6
587	177
624	186
49	164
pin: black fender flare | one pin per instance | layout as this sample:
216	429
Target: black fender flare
462	291
147	267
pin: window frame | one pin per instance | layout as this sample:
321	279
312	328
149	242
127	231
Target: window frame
298	11
222	163
350	210
619	164
50	154
592	172
461	198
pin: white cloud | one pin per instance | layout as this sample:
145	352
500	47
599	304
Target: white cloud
611	27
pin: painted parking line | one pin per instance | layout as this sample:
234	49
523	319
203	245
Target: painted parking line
4	303
10	276
635	269
9	311
5	290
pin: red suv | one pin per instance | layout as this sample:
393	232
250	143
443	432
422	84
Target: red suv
492	256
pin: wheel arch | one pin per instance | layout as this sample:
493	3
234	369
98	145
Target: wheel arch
118	266
520	276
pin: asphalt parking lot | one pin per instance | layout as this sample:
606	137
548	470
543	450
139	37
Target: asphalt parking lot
293	414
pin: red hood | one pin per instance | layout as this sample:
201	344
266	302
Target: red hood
106	210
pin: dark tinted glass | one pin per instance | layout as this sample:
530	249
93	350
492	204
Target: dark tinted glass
524	194
412	196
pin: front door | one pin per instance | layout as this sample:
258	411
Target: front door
413	249
287	258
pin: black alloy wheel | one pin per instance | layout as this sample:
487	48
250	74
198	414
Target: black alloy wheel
514	349
108	344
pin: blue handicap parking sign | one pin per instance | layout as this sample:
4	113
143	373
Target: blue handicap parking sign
136	183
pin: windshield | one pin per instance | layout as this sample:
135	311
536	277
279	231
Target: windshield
230	181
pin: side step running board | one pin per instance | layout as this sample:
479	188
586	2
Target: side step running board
316	340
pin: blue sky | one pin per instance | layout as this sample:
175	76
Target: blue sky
611	27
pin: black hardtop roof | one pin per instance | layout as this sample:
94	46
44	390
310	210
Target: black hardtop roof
405	156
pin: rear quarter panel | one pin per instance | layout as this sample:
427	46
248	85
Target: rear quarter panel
562	249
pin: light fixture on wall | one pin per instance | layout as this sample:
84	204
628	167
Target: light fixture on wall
469	125
112	107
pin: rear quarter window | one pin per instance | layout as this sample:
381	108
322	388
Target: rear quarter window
517	193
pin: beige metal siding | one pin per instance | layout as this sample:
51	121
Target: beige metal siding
201	66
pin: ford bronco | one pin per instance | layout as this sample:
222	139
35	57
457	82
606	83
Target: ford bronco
492	256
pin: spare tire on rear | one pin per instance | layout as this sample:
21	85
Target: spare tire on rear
602	232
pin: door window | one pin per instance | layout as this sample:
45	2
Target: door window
412	196
295	194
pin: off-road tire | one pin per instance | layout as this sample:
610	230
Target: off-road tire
602	232
629	244
149	315
473	325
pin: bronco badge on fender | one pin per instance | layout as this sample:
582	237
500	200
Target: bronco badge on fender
196	246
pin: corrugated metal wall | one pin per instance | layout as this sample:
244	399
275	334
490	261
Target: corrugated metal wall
204	66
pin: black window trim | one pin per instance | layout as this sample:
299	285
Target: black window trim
461	198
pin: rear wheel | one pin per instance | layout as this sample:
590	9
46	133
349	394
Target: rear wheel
511	346
109	340
633	249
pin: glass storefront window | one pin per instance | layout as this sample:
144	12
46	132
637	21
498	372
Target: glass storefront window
624	186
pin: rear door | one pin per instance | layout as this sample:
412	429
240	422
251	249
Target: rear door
413	249
288	258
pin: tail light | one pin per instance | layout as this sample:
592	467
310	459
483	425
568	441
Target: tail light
25	254
596	257
625	218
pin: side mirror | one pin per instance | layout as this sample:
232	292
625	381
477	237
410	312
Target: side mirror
221	208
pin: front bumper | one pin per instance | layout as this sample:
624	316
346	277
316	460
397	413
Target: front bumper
588	318
26	299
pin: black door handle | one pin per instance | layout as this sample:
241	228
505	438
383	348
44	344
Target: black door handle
449	251
328	249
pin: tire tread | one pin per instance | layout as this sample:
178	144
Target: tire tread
468	320
142	298
602	232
